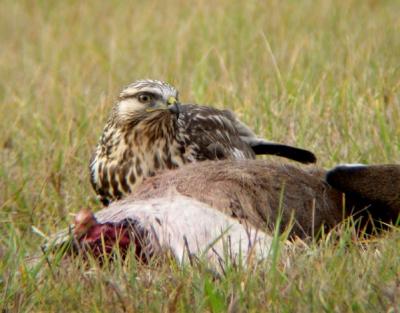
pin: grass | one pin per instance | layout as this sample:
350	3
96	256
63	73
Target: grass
324	75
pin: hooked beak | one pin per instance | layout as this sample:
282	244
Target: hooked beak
174	106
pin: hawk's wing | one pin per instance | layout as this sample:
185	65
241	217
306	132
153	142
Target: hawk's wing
222	134
211	134
263	146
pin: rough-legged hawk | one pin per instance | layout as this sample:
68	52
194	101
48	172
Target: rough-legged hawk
148	130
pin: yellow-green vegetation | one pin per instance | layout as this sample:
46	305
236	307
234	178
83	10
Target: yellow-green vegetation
324	75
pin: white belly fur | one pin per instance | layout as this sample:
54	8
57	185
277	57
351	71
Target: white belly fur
176	217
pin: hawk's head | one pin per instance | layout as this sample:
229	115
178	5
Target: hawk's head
140	137
145	96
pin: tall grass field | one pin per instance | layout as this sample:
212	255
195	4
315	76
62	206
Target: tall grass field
322	75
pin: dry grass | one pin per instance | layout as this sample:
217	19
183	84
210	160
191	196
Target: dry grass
321	74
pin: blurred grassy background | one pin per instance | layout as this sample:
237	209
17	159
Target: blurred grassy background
324	75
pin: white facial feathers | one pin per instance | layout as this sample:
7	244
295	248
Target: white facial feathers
128	104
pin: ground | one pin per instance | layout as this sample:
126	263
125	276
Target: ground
323	75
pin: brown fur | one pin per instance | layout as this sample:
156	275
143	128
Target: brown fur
376	185
254	190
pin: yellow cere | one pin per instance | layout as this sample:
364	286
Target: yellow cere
171	100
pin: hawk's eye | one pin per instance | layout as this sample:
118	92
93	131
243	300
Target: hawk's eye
144	98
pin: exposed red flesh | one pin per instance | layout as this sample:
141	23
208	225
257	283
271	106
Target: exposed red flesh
104	239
